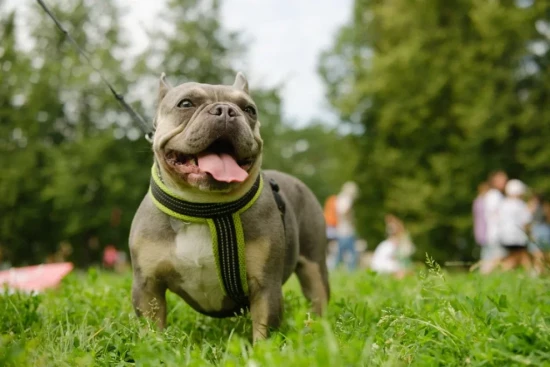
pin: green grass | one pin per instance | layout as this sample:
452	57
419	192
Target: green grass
430	319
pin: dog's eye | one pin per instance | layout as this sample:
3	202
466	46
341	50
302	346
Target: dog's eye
185	103
250	110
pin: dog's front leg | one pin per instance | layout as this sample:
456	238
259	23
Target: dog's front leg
266	309
149	300
264	267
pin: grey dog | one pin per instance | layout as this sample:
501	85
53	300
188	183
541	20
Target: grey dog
214	228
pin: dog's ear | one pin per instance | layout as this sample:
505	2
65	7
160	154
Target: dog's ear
241	82
164	87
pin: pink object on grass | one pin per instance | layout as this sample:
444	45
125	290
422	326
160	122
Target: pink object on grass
35	278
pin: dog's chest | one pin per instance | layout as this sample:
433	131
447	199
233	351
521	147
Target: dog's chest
195	263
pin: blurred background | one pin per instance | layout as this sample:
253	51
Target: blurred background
416	101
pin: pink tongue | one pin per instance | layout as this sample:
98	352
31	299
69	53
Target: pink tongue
222	167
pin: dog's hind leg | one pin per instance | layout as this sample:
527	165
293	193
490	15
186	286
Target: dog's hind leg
313	277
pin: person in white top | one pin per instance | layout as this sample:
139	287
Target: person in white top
492	252
392	256
514	216
345	227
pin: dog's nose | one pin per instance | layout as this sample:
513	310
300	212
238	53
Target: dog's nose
223	110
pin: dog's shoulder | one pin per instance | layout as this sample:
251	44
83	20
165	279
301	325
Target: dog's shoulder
282	178
149	223
292	189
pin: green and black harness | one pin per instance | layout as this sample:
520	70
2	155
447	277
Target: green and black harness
224	221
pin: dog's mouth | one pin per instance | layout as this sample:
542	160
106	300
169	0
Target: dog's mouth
218	160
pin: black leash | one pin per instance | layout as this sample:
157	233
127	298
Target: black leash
146	128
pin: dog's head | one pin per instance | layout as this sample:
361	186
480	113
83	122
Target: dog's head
207	140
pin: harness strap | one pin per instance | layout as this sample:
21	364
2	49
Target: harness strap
281	205
224	222
226	230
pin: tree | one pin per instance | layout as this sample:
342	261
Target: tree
18	155
69	150
446	91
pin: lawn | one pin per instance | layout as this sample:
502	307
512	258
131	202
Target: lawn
432	318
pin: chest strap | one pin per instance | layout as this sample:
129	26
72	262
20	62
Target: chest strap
226	230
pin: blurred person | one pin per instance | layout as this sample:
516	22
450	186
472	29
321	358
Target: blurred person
492	252
539	246
514	217
393	255
543	233
478	212
540	227
110	257
345	227
332	254
331	219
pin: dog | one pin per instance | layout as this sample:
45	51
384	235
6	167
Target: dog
214	227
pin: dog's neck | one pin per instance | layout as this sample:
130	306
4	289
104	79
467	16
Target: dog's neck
197	196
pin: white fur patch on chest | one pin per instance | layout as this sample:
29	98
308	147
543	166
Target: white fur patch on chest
194	261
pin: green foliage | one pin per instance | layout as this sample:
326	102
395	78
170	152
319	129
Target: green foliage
446	92
431	319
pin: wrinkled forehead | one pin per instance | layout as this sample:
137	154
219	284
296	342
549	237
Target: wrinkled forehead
208	93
